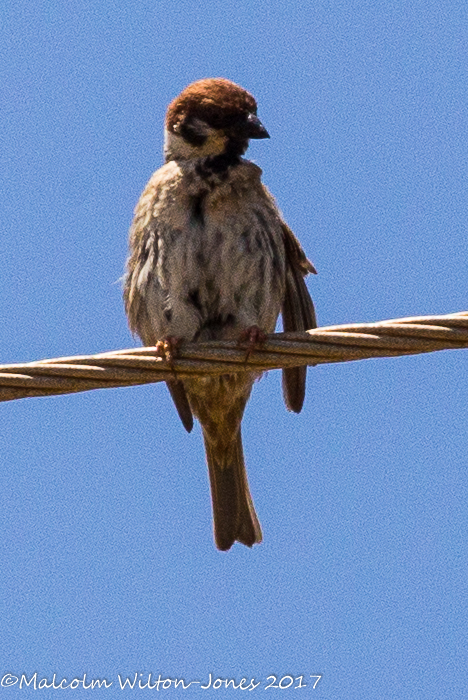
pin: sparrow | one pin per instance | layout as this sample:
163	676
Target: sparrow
211	258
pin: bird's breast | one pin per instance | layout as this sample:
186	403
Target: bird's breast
221	250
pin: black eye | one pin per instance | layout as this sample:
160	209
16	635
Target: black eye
252	128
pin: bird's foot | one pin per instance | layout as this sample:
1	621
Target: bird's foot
167	348
253	337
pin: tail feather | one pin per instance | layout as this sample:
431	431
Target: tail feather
233	509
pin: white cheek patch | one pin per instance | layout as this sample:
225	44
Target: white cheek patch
176	147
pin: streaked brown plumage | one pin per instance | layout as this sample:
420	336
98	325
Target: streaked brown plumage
210	257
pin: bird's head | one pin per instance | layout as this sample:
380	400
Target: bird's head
212	119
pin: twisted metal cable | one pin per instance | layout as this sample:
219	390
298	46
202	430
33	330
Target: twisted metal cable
358	341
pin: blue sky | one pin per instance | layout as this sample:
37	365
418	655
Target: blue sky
108	562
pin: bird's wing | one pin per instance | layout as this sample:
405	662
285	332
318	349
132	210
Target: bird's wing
141	267
140	270
298	314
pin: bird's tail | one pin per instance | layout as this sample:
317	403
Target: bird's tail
233	509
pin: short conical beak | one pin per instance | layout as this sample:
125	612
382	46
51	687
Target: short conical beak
255	128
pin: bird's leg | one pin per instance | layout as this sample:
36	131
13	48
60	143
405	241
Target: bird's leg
253	337
167	349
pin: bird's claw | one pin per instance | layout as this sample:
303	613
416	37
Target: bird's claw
167	348
253	337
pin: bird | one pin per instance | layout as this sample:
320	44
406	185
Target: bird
211	258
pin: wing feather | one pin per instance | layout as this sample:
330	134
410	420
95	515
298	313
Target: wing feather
298	314
141	267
